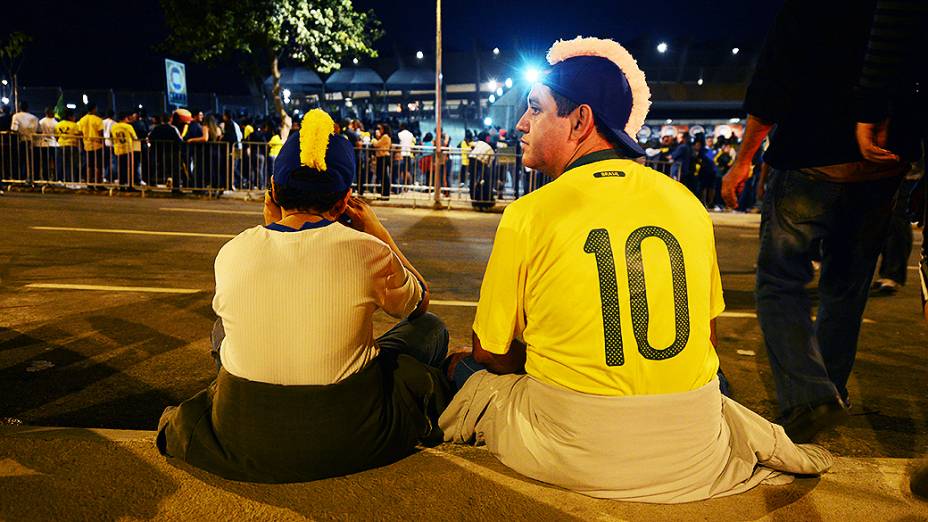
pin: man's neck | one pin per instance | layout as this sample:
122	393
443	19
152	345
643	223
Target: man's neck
588	146
298	219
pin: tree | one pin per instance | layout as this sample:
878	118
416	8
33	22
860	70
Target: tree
261	33
11	57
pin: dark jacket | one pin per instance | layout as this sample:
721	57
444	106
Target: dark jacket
257	432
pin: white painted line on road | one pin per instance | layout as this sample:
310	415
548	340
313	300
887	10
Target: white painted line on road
104	288
437	302
211	211
137	232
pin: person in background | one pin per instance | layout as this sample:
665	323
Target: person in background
381	145
465	146
124	138
216	155
164	148
108	159
703	168
232	136
830	199
48	147
91	127
407	141
25	125
897	247
68	136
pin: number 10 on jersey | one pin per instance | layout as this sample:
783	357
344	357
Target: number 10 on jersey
599	244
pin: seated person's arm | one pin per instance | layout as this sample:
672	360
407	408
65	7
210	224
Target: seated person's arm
511	362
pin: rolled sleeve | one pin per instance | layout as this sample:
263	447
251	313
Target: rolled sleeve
399	291
500	311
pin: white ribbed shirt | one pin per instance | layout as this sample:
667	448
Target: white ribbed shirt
297	307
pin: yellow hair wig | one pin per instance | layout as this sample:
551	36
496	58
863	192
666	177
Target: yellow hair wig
316	128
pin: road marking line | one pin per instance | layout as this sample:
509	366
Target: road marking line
452	303
136	232
211	211
145	289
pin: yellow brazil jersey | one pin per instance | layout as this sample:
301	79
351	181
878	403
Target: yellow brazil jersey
609	276
124	138
465	150
91	127
275	144
67	133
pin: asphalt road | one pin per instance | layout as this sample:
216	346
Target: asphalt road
115	356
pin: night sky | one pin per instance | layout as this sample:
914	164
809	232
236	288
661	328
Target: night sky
111	44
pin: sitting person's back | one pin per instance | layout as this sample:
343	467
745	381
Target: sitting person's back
594	365
304	391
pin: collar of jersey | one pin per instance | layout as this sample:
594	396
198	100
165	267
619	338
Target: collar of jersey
306	226
593	157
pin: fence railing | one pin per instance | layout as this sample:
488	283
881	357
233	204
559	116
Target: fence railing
466	177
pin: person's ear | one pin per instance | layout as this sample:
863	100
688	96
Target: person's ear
342	204
581	122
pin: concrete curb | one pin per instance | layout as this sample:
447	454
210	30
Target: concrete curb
74	473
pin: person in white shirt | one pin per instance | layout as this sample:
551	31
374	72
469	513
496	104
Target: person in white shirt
24	124
304	388
482	175
48	145
407	141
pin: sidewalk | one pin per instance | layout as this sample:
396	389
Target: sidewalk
70	473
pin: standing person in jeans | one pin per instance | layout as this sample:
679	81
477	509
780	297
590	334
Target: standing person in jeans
304	390
827	195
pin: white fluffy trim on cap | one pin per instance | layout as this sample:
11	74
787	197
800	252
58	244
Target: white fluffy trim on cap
612	51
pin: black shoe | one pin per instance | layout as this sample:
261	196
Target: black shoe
918	482
884	289
804	423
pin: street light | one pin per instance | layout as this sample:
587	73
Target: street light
509	83
496	51
493	85
662	47
487	121
499	92
669	121
735	50
699	81
354	61
532	74
420	55
4	82
85	99
492	98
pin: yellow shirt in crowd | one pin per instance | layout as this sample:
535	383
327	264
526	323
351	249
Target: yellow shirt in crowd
124	138
465	150
247	132
609	276
91	127
67	133
274	144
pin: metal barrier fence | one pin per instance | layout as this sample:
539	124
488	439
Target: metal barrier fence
466	178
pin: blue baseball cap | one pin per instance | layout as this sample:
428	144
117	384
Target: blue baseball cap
602	74
314	158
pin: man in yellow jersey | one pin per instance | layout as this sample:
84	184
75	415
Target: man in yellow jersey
91	127
124	138
68	135
595	326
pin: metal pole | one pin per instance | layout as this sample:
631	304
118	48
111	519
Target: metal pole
438	136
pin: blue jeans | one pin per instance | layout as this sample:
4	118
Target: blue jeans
424	338
847	224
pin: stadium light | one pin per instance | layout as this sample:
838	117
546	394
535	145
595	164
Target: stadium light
492	98
735	50
734	120
4	82
662	47
70	105
531	74
420	55
85	99
509	83
496	51
354	61
140	106
699	81
493	85
4	100
286	93
669	121
487	121
499	92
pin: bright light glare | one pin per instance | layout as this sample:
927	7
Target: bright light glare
699	81
70	105
5	100
532	74
662	47
493	85
140	106
488	121
4	82
286	93
496	50
492	98
669	121
84	99
734	120
735	50
420	55
509	83
354	61
499	92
